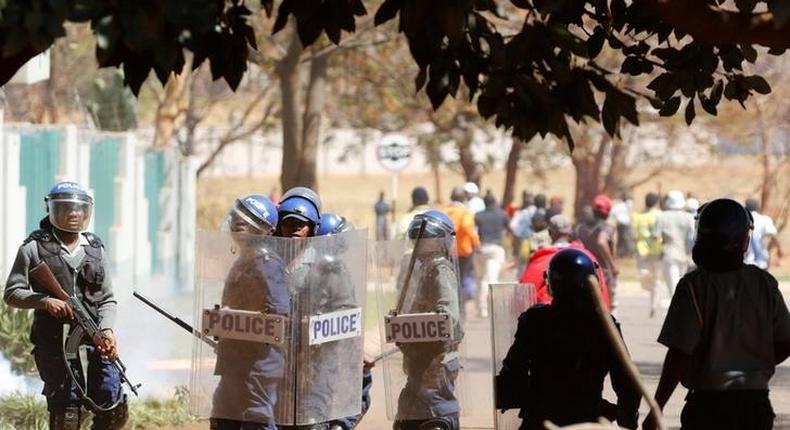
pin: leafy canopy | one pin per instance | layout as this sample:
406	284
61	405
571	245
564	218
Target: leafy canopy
531	65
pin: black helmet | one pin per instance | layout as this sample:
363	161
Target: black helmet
723	228
568	271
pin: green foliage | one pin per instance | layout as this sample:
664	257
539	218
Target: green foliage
15	338
29	412
23	411
564	60
113	105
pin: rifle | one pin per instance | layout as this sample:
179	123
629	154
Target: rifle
210	342
85	326
405	288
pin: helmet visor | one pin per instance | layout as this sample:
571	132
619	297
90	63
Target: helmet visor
70	214
240	220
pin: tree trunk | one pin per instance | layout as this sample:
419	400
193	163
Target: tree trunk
511	168
469	166
314	105
587	160
614	181
766	186
290	82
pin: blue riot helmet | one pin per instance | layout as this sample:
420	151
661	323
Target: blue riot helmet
69	207
438	235
723	228
251	214
568	272
438	224
332	224
304	205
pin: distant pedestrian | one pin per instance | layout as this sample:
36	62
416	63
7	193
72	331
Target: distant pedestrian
521	226
491	225
648	250
763	235
621	212
598	236
560	230
467	241
382	209
473	200
419	204
555	207
675	226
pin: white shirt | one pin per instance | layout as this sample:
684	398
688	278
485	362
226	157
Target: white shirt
757	253
622	212
476	204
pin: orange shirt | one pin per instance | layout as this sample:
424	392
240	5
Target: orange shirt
465	231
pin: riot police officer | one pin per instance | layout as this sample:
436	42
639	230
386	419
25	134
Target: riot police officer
250	372
300	213
428	400
560	356
79	263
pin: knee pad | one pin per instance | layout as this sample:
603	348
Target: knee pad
114	419
68	418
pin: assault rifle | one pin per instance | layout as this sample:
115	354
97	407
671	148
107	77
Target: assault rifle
86	326
209	341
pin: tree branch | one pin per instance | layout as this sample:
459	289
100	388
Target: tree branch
720	27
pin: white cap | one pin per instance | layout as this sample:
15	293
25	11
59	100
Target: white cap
692	205
471	188
676	200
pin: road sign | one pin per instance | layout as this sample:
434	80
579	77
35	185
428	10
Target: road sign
394	152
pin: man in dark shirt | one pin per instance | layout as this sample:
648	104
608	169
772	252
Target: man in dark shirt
491	224
382	209
598	237
560	356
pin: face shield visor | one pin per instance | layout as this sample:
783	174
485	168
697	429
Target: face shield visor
70	212
240	220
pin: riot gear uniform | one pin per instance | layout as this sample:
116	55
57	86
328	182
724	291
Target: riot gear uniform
250	372
428	400
83	272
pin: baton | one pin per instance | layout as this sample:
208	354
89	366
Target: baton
403	295
181	323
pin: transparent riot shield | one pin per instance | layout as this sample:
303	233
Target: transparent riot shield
242	307
506	302
328	281
418	295
286	315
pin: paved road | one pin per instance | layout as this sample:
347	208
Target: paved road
640	333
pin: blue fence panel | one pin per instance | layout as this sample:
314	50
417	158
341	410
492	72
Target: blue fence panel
103	170
155	177
39	155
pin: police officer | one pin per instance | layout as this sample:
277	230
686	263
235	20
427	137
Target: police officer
560	356
300	213
726	329
246	395
78	261
428	401
333	224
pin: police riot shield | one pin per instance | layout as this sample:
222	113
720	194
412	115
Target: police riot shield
506	301
417	289
280	319
328	280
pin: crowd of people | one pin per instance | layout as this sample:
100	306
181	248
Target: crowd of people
727	324
494	237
